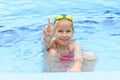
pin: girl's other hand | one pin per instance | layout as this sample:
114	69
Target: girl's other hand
74	70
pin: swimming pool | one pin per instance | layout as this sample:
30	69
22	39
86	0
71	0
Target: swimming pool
96	23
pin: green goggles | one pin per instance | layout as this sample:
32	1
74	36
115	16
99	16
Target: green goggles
60	17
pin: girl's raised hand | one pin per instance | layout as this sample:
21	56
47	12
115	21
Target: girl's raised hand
48	30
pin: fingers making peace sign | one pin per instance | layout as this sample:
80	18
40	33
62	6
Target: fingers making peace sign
48	30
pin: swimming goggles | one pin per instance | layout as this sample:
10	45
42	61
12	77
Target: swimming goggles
62	16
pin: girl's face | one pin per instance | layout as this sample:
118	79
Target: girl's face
63	32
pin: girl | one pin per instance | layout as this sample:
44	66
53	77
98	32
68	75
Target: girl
63	54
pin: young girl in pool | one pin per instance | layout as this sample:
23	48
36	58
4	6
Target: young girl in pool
63	54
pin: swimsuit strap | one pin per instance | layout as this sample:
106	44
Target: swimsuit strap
69	48
56	45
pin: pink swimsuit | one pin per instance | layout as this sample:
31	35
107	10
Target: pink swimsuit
65	59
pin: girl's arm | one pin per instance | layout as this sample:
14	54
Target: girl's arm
48	34
77	59
47	42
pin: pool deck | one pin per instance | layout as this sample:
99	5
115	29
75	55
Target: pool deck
109	75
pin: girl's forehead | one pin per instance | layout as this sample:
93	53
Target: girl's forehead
64	23
63	27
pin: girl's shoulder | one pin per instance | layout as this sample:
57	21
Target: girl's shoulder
75	44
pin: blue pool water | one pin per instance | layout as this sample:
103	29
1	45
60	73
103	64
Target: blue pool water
96	23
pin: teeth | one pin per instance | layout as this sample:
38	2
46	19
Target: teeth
64	39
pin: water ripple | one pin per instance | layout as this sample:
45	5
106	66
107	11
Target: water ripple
8	38
87	21
31	28
114	34
1	26
117	13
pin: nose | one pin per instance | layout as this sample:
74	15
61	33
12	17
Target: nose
64	34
